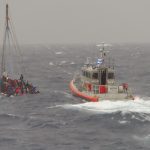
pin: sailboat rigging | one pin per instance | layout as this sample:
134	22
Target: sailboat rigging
12	64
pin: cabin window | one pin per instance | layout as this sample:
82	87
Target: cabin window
110	75
89	75
95	75
83	73
86	74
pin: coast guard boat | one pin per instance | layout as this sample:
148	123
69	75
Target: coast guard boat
97	81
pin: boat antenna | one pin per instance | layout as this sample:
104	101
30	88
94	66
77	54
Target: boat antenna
102	50
7	16
88	61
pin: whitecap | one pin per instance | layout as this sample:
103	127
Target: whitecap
51	63
72	63
123	121
108	107
58	53
62	62
143	138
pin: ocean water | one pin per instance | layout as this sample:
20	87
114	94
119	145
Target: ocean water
56	120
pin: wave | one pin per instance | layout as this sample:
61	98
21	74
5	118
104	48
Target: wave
68	95
72	63
58	53
9	115
139	105
51	63
62	62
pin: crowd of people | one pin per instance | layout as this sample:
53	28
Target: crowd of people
16	87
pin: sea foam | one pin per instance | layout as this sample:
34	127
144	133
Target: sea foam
138	105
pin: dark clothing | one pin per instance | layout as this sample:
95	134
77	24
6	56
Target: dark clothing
10	90
16	87
21	78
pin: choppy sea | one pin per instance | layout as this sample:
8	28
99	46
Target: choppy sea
56	120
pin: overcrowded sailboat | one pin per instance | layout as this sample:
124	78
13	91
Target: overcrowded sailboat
12	82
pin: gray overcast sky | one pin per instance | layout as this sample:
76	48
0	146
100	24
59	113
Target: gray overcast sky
80	21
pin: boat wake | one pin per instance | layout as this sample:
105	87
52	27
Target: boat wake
108	107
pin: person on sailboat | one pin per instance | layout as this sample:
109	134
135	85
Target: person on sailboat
17	90
10	90
4	76
26	84
21	78
1	84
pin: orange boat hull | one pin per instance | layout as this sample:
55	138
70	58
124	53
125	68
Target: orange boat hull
76	92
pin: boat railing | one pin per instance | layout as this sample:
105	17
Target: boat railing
103	89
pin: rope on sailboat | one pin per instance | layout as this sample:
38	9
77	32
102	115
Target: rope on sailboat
17	44
10	64
3	55
6	46
10	38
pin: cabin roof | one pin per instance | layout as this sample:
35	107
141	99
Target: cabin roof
91	68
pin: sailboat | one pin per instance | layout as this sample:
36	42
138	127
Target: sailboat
12	80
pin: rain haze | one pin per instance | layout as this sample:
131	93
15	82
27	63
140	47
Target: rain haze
37	108
80	21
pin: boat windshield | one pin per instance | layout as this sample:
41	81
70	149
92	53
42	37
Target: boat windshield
110	75
95	75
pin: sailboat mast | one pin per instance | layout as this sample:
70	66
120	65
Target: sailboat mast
3	52
7	15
